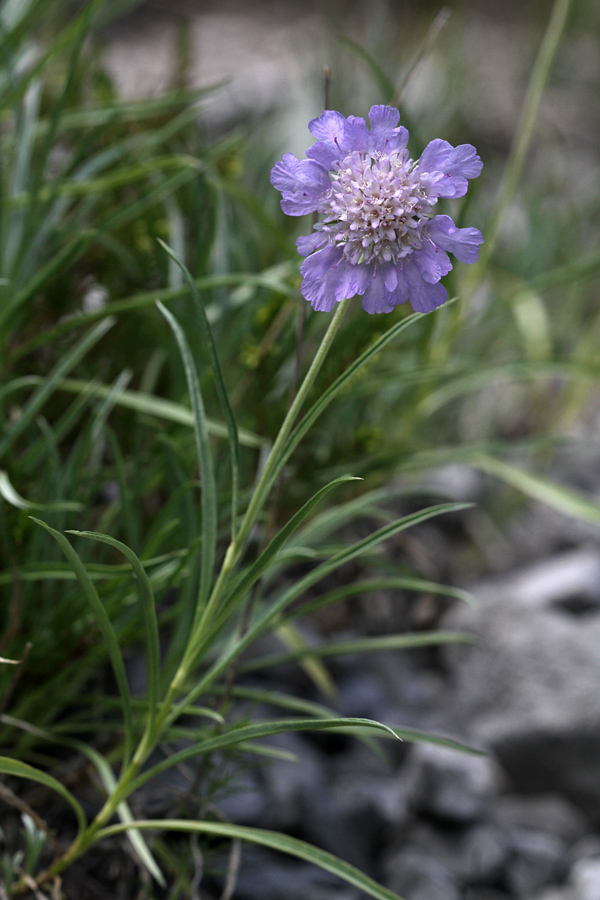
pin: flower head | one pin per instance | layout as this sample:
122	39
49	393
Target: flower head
378	235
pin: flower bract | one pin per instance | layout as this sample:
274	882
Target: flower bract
377	235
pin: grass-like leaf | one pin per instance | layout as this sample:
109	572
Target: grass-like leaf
363	645
149	614
237	735
139	401
14	498
49	384
392	583
104	623
333	390
266	558
19	769
563	499
205	461
265	621
274	841
230	423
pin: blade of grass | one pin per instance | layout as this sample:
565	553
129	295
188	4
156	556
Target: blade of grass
108	633
205	461
525	129
331	392
149	614
138	401
362	645
18	769
11	496
49	384
239	734
274	841
394	583
303	584
563	499
230	423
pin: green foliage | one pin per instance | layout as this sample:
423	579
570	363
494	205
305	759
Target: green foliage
215	505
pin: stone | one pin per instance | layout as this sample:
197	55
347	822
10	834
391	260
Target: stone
447	783
531	693
588	845
474	855
585	878
264	876
538	861
286	782
548	813
417	876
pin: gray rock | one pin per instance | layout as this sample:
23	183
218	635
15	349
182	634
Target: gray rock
548	813
585	879
450	784
485	893
539	861
556	893
417	876
286	781
587	846
474	855
531	693
244	802
263	876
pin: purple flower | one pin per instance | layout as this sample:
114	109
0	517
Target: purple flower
377	236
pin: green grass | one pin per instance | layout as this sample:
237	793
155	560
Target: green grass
157	426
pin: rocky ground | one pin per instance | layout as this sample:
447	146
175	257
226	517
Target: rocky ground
521	820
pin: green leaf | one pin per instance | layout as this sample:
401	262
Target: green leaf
11	496
205	461
270	279
274	841
49	384
22	770
565	500
363	645
139	401
149	614
104	623
303	584
251	576
124	813
333	390
239	734
234	445
393	583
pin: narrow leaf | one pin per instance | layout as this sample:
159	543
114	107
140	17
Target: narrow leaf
104	623
237	735
363	645
149	614
563	499
11	496
205	462
234	445
22	770
49	384
274	841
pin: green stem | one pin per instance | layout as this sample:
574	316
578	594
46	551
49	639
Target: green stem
236	547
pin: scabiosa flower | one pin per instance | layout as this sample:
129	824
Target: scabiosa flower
378	235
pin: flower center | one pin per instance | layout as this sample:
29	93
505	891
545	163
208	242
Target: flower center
376	207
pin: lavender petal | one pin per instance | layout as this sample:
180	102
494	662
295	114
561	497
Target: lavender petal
464	243
424	297
432	262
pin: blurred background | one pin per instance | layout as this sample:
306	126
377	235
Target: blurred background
171	116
